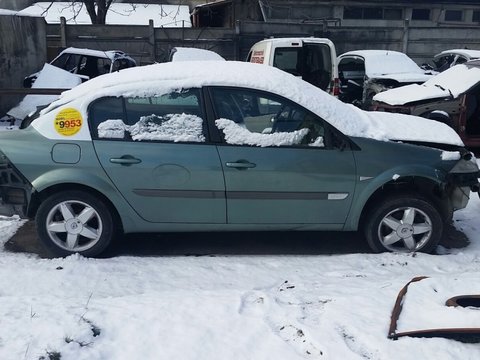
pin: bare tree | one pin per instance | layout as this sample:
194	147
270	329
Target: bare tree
97	9
97	14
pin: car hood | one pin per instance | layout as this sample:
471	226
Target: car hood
410	93
404	77
450	83
409	128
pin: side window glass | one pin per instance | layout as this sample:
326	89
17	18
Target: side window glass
60	61
176	117
260	119
89	66
107	118
460	60
120	64
72	63
289	60
103	66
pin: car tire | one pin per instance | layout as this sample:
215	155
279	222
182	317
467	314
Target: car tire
74	222
404	223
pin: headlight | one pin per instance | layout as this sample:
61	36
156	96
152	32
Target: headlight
467	164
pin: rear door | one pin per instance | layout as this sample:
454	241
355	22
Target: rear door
156	152
280	162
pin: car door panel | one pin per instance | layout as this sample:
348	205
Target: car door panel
171	183
276	169
288	186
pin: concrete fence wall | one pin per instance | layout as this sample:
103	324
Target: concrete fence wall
23	50
147	44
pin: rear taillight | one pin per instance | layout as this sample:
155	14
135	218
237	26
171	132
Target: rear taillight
336	87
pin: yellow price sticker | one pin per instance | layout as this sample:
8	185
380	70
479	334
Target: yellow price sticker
68	122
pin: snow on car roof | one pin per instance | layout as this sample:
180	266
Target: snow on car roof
471	54
305	39
189	54
382	62
109	54
159	79
118	13
451	82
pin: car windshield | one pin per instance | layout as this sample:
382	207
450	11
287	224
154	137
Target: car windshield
391	63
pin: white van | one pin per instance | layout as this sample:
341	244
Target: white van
312	59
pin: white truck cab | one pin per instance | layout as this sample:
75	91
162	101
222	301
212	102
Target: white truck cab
312	59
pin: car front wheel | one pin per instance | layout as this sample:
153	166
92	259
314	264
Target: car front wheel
74	222
404	224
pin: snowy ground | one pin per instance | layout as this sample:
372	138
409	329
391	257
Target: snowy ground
234	307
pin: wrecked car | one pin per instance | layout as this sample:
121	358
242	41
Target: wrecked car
87	63
196	147
451	97
448	58
364	73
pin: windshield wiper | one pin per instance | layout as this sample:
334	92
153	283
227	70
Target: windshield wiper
443	89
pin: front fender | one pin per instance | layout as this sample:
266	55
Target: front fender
367	187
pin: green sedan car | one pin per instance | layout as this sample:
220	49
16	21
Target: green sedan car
228	146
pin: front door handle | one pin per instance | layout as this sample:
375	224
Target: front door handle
125	160
241	164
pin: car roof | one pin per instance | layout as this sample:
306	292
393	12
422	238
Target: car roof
159	79
464	52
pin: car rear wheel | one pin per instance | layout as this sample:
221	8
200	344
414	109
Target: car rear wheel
404	224
74	222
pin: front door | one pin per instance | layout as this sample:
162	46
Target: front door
280	162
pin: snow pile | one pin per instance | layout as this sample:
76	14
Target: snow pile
450	83
450	155
49	77
170	127
111	129
194	54
159	79
118	13
238	135
8	12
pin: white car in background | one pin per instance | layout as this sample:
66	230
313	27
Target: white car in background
87	63
365	73
448	58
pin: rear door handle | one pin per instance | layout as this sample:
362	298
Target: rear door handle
125	160
241	164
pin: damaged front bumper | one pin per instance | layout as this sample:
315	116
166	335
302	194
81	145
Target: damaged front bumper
462	179
15	190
